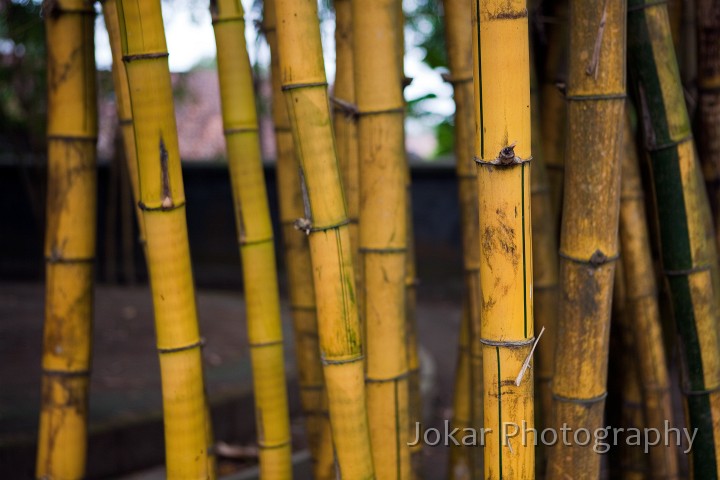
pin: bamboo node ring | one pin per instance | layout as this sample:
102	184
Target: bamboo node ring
199	344
349	109
580	401
507	343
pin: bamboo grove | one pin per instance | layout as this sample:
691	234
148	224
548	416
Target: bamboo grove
587	171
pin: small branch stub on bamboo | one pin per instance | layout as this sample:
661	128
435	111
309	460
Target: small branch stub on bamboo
506	157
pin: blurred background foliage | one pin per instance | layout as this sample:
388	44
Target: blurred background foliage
22	77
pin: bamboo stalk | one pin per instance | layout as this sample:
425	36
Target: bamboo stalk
688	251
461	459
162	201
503	152
415	408
415	416
383	231
545	275
632	463
553	127
124	109
345	118
313	397
642	309
70	239
305	86
708	106
466	463
255	237
588	241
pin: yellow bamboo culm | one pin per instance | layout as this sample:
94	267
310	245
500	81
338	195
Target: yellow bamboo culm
124	109
162	201
345	117
642	309
305	86
502	151
255	237
383	231
313	397
466	462
588	242
69	239
415	400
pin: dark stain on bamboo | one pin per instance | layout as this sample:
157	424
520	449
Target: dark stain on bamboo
164	175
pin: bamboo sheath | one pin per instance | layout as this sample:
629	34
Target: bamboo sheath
502	150
69	239
124	109
688	252
162	201
468	412
632	464
305	86
313	397
589	238
383	231
255	237
553	127
642	311
708	105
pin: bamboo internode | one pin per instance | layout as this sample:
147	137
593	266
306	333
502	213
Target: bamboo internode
305	87
687	243
162	200
588	239
255	237
69	240
502	151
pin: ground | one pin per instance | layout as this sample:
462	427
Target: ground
125	404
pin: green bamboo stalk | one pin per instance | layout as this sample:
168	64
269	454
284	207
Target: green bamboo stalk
688	252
